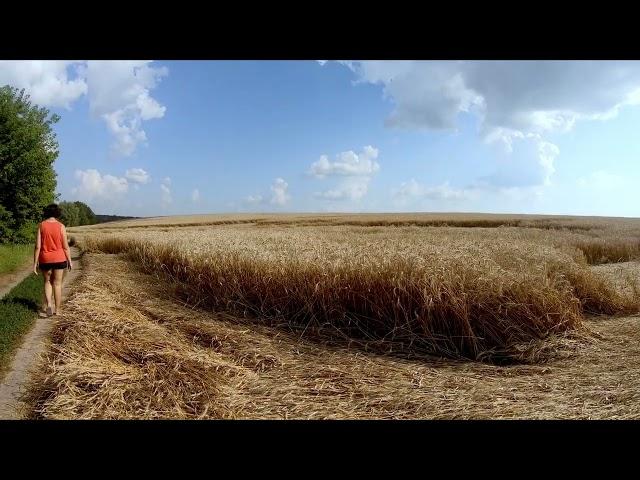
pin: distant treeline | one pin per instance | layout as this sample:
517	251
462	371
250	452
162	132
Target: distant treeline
75	214
112	218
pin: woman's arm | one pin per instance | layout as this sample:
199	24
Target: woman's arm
65	246
36	252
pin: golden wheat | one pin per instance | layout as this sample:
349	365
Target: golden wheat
598	239
461	292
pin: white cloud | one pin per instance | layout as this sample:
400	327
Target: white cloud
166	195
355	171
254	199
138	175
602	180
166	180
128	136
425	94
195	196
527	96
445	192
547	153
348	164
48	82
533	165
279	195
93	185
514	100
350	189
413	190
119	92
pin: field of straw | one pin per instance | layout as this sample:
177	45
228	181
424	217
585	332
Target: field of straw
378	316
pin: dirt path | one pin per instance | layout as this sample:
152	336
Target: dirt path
10	280
33	345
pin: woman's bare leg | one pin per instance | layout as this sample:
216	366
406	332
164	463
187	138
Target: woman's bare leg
48	288
56	279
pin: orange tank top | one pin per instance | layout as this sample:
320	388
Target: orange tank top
51	250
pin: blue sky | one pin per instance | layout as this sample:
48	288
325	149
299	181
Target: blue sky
178	137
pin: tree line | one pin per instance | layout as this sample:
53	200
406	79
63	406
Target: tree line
77	213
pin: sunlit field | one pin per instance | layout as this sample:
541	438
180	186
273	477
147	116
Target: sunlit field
476	292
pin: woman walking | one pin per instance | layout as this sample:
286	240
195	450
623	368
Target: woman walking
52	256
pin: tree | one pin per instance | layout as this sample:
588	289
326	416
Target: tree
28	149
87	217
5	223
77	213
70	214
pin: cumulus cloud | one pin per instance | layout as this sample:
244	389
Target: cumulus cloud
279	195
93	185
254	199
514	100
195	196
50	83
602	180
527	96
351	189
354	170
534	164
138	175
119	91
348	164
166	197
413	190
426	94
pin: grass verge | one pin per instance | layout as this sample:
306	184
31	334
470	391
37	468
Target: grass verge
13	257
18	310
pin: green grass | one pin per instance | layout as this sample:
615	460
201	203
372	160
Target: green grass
13	257
18	310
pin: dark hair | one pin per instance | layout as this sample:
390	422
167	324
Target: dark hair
52	210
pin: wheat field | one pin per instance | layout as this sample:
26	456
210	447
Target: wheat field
478	291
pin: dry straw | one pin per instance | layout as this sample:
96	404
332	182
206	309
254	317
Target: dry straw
126	348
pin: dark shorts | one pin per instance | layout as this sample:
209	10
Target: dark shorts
53	266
